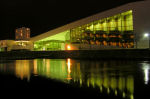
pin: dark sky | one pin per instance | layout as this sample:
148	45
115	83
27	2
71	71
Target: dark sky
44	15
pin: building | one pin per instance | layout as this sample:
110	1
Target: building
22	33
120	27
6	45
9	45
22	41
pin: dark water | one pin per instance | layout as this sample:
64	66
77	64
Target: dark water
63	77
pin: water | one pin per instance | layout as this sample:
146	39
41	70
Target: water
113	79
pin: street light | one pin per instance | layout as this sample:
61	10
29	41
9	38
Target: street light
147	35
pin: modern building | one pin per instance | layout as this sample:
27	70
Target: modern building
120	27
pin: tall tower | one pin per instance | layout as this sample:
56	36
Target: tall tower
22	33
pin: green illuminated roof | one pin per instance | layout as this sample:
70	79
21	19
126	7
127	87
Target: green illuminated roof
60	37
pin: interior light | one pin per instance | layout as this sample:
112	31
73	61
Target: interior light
68	47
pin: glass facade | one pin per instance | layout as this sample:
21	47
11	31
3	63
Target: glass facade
115	31
55	42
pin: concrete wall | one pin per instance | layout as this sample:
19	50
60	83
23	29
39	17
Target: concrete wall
141	23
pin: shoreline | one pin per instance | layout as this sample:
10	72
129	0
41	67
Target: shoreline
104	54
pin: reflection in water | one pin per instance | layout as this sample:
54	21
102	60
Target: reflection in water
55	69
145	67
109	77
146	78
35	67
69	69
22	69
91	74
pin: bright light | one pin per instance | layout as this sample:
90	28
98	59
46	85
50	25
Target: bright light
44	49
146	34
146	74
68	47
22	41
69	64
146	68
69	69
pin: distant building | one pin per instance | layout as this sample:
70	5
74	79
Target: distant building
22	33
22	41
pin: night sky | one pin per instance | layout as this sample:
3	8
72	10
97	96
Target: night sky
44	15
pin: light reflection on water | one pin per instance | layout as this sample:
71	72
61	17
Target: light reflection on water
145	67
109	76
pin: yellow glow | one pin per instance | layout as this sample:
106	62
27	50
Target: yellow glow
21	34
23	69
116	93
48	67
124	94
69	68
68	47
132	97
35	67
101	88
68	64
80	81
21	41
108	90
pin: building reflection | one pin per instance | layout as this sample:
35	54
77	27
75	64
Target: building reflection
92	74
108	76
20	68
23	69
7	68
54	69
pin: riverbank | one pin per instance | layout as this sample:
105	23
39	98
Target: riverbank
130	54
